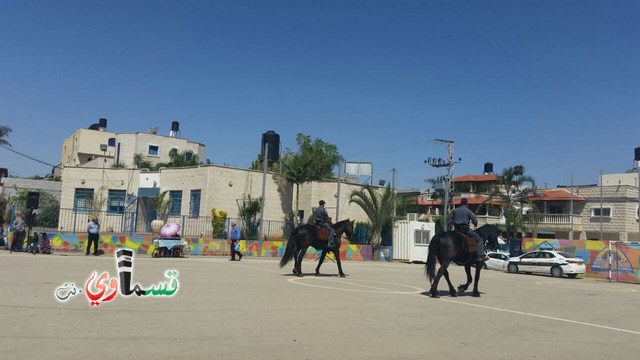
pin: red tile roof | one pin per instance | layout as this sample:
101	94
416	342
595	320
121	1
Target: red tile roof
557	195
476	200
475	178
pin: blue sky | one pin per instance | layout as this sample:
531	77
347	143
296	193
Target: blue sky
551	85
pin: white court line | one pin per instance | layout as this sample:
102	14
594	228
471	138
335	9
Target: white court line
536	315
581	287
381	291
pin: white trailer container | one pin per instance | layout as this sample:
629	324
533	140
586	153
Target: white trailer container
411	240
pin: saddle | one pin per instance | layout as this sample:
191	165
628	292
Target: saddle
323	234
468	239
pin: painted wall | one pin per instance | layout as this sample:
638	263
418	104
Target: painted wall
69	243
625	256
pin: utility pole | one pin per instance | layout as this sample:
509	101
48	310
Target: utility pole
448	163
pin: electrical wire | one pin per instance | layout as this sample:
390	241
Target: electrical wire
27	156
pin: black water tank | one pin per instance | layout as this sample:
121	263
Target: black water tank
273	139
175	126
488	168
102	123
638	154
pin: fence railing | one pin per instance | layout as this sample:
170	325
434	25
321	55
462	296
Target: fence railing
133	223
554	219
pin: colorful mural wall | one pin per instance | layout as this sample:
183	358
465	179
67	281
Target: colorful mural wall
70	243
625	257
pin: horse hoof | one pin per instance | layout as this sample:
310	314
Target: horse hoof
317	273
476	294
434	294
299	275
342	275
454	294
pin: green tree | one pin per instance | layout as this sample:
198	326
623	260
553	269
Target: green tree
248	209
379	208
160	204
217	222
180	159
314	160
513	191
140	162
48	208
4	132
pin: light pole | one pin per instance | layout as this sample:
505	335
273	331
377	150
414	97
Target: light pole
103	148
637	158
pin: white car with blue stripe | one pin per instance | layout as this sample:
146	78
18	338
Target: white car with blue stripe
551	262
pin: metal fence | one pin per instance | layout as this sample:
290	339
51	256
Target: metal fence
135	223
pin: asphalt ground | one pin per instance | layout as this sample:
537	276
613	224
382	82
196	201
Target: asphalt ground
254	310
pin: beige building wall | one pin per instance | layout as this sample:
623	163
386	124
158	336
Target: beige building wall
138	143
83	146
622	225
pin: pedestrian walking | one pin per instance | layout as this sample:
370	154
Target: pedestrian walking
235	246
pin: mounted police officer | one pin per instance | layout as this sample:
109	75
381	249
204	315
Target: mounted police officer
322	219
460	217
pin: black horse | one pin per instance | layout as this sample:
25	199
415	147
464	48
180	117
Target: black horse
451	246
307	235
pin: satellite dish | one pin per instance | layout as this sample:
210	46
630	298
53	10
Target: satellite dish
154	130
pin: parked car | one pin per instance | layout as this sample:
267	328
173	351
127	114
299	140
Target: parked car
551	262
497	261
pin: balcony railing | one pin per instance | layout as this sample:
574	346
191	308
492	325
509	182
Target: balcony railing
551	219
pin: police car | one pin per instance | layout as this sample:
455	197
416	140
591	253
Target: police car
551	262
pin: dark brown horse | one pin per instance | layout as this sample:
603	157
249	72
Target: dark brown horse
307	235
451	246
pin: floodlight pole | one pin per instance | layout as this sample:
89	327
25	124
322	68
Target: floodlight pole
264	184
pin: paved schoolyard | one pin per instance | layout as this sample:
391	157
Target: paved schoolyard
254	310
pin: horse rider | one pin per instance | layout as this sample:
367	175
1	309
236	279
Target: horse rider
323	219
461	216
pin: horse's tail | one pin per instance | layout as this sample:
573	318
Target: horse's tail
430	267
290	249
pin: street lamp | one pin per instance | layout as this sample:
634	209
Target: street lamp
637	158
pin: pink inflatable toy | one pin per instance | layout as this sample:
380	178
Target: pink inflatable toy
170	230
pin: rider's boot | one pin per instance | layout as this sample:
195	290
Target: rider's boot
330	244
482	257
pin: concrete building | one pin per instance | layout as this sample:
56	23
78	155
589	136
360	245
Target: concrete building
96	147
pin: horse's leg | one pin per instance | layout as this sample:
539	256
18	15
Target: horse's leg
324	253
299	261
336	253
434	286
463	287
452	290
476	293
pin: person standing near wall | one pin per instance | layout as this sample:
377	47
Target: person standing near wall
93	234
18	232
235	236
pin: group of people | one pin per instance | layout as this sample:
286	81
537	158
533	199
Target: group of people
42	244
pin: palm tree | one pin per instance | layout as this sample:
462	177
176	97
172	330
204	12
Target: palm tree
4	132
296	170
513	192
379	209
140	162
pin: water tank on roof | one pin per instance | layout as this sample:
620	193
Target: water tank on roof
102	124
175	129
488	168
272	139
638	154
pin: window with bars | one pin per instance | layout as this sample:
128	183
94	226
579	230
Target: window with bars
83	199
194	203
601	212
175	202
115	202
421	237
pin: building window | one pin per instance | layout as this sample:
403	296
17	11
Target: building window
175	202
601	212
194	203
115	203
83	199
556	210
153	150
421	237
